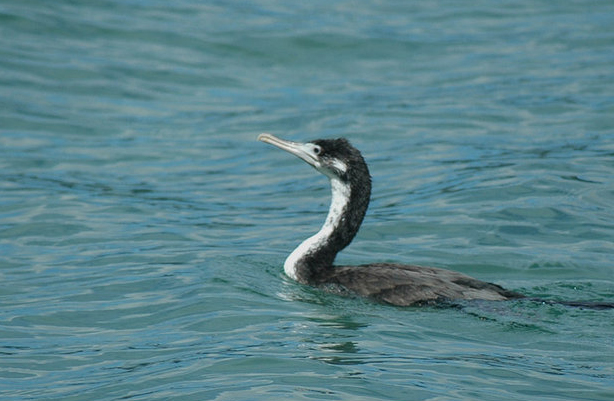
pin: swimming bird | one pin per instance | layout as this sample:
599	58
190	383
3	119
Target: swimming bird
312	262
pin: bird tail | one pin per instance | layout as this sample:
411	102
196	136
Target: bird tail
595	305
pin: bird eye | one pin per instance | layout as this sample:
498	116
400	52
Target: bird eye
317	150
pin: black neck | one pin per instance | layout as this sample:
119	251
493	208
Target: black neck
343	222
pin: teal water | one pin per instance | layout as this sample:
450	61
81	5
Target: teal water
143	228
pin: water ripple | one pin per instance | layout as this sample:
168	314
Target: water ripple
143	228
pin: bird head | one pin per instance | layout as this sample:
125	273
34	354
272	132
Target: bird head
335	158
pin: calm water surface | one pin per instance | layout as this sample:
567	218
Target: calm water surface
143	228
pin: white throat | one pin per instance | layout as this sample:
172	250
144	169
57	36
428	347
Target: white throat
340	198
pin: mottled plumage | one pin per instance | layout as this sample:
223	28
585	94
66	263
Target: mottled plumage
406	285
312	262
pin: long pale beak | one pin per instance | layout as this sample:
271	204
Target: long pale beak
301	150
